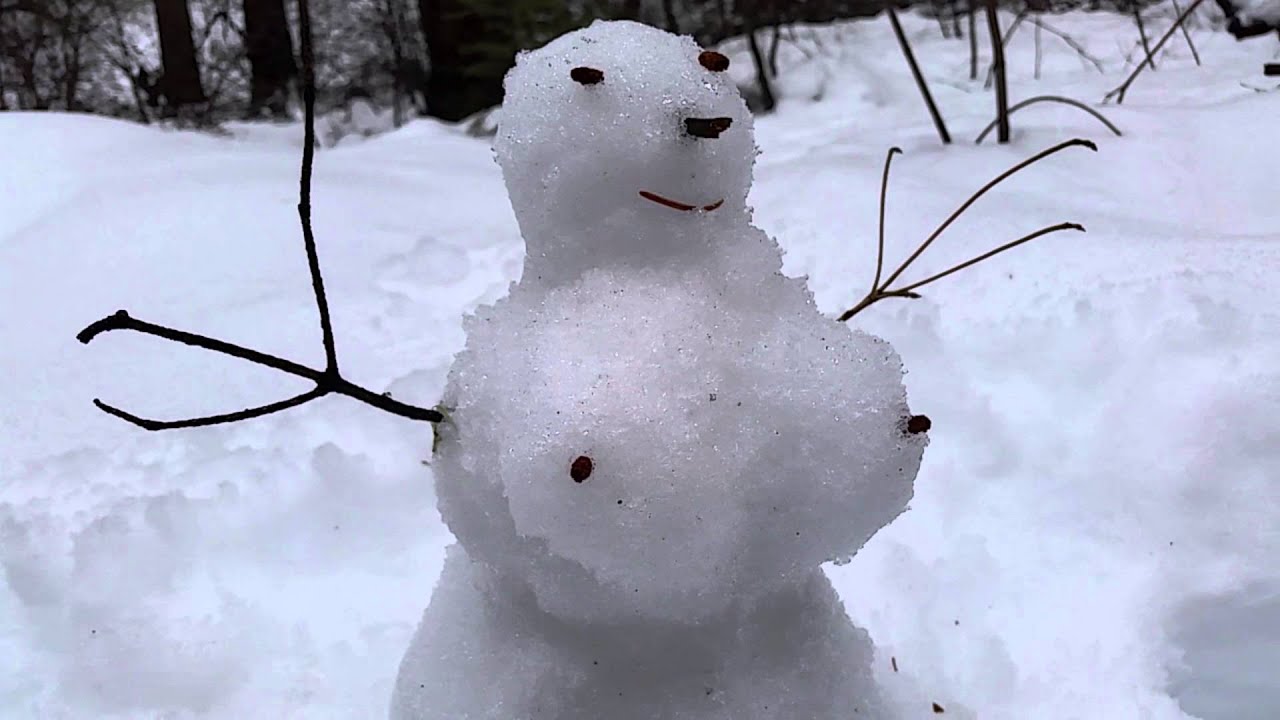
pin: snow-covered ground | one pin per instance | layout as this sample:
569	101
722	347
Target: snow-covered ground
1096	523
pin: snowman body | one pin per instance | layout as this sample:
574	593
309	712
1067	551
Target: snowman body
655	440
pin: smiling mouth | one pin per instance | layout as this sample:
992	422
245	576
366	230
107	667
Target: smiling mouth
676	204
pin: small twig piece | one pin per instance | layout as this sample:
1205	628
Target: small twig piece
1120	91
920	83
1050	98
881	291
1187	34
326	381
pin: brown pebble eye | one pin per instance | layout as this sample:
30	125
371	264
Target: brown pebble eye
918	424
713	61
587	75
580	469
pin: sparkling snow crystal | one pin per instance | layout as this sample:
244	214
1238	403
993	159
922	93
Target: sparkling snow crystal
656	439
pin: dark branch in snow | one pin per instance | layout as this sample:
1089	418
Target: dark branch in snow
326	381
1119	92
1049	98
880	291
246	414
919	78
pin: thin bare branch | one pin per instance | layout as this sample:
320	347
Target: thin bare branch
246	414
1120	91
884	193
122	320
991	253
919	77
1075	142
1187	35
881	291
326	382
1071	42
1049	98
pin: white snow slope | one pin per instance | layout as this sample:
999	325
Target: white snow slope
1096	523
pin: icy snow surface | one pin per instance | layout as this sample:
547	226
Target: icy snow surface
1094	528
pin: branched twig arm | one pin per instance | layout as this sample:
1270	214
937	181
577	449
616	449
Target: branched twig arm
1076	142
327	380
1071	42
881	291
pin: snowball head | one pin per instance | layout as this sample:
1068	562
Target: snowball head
601	115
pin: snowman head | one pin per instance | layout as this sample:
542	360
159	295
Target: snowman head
622	144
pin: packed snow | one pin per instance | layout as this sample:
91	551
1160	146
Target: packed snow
1093	531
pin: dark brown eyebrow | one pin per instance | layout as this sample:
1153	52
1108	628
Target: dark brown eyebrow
587	75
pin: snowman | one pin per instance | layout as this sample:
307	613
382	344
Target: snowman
655	440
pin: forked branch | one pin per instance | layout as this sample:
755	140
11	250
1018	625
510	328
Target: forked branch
1120	91
326	381
883	290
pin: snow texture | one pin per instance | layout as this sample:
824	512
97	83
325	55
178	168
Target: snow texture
737	438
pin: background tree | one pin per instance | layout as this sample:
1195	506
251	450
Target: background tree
180	82
269	48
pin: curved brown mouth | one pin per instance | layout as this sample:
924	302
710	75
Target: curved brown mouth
676	204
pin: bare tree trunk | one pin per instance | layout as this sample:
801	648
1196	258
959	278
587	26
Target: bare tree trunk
669	13
997	64
450	93
269	47
181	84
767	99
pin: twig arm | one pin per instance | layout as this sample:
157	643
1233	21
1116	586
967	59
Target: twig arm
991	253
326	382
222	419
121	320
1075	142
